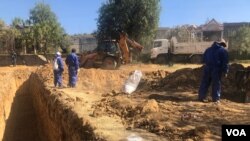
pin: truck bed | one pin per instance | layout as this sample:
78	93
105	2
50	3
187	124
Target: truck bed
190	48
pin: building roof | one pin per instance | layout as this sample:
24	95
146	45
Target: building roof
236	24
212	25
163	28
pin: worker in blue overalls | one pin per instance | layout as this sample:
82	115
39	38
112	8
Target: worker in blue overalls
215	60
73	66
58	69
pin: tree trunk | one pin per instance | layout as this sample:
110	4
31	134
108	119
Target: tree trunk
35	50
45	53
25	47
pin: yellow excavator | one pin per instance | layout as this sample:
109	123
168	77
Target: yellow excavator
110	54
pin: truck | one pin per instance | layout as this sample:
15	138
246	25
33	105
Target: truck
110	54
169	51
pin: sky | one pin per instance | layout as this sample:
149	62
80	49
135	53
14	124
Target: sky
80	16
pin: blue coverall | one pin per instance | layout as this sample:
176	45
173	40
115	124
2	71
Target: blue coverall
215	59
73	66
58	72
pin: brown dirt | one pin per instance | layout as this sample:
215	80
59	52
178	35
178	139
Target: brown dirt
164	103
17	114
163	107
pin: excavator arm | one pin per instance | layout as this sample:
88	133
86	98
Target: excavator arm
124	46
87	60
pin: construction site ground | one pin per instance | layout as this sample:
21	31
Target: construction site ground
163	107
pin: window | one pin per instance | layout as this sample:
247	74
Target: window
107	47
157	44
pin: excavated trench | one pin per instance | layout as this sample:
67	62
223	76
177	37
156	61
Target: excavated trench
31	111
18	117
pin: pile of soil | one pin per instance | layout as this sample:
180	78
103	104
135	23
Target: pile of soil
183	79
188	79
167	119
170	116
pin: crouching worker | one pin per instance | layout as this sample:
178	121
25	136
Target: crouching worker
73	66
58	70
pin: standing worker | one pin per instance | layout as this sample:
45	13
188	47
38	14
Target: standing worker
13	58
58	70
73	66
215	61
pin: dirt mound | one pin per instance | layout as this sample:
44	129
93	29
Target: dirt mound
191	78
97	80
183	79
169	119
157	106
119	105
150	80
150	106
188	79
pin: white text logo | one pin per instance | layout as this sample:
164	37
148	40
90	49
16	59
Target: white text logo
236	132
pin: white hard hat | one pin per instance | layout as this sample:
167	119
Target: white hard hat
222	42
58	53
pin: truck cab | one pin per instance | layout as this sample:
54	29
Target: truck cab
160	51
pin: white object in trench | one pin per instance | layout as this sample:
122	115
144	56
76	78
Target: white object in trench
132	82
134	137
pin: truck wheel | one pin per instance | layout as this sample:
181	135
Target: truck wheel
161	60
109	63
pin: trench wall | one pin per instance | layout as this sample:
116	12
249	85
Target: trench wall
55	115
11	86
55	120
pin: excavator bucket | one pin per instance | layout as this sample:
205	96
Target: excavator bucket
86	59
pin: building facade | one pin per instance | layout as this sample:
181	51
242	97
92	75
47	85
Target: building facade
83	43
210	31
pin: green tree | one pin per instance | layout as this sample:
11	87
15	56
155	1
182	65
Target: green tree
17	22
48	33
6	37
181	33
241	41
65	43
2	34
2	24
139	19
23	33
